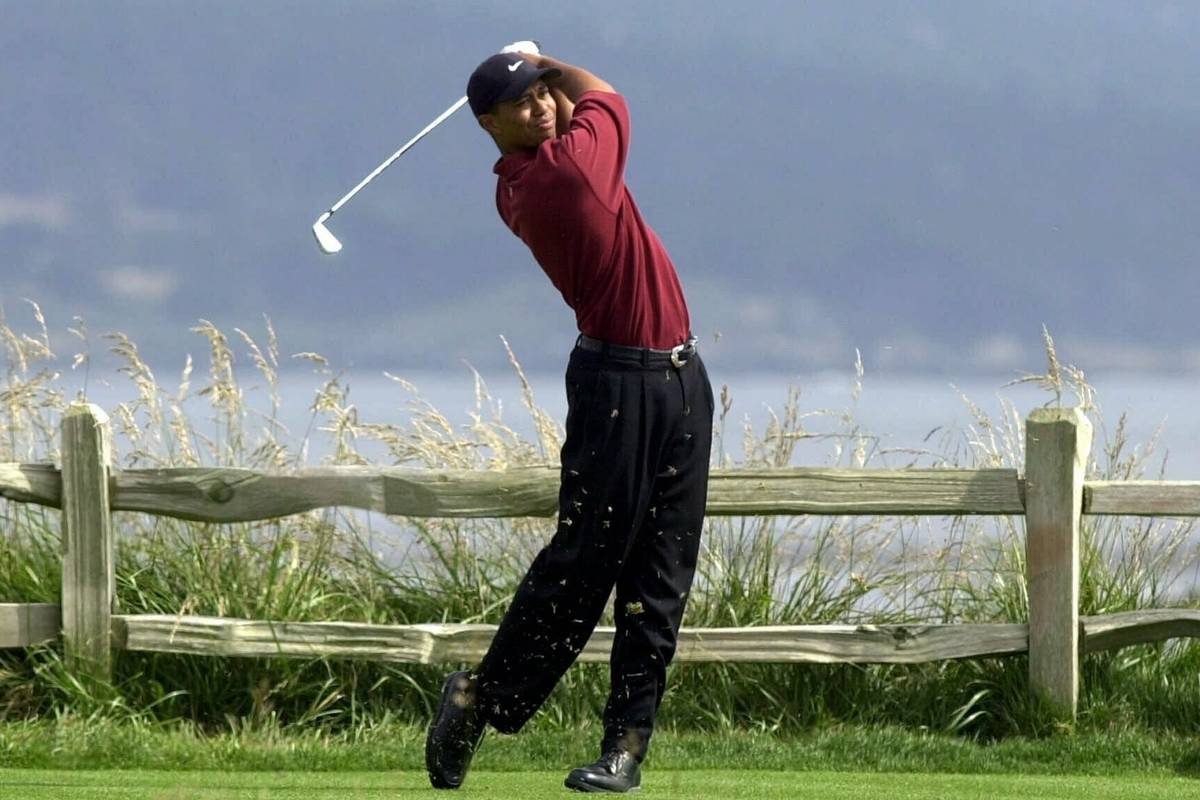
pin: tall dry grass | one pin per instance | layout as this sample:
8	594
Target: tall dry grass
335	564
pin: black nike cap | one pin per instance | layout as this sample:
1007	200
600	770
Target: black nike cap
504	76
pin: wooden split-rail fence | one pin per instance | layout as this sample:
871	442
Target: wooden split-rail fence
1052	495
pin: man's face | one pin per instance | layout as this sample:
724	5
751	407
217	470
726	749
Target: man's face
523	123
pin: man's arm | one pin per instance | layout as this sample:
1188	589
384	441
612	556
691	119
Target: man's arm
574	80
564	110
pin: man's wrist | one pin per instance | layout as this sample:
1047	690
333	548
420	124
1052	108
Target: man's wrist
537	59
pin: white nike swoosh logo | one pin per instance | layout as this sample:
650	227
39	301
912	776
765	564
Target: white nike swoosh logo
515	67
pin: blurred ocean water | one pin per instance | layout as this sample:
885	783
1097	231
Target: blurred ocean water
898	415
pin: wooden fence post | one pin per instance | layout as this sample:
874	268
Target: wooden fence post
89	580
1057	443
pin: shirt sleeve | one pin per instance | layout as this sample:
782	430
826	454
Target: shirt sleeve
598	142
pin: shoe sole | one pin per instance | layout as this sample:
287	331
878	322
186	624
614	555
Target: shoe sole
580	786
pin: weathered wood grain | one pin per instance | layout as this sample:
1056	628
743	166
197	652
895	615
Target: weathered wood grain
1057	443
216	636
809	490
1143	498
1112	631
89	582
209	494
31	483
236	495
25	624
852	644
32	623
433	644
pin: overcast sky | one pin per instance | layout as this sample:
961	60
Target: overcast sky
927	182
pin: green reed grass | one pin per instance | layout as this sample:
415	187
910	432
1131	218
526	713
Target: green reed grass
336	564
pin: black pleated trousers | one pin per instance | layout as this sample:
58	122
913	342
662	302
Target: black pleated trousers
631	509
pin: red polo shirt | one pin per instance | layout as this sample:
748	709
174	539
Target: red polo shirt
568	202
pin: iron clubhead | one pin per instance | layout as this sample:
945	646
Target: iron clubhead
325	240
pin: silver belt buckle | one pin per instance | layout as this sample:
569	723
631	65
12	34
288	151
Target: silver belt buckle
678	349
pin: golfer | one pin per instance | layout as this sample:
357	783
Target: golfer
638	431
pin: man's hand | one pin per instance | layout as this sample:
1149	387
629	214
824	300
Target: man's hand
573	82
527	46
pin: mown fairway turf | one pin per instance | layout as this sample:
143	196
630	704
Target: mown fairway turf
676	785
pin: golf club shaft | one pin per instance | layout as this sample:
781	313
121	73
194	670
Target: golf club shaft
441	118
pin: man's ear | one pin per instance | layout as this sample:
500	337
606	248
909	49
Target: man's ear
488	123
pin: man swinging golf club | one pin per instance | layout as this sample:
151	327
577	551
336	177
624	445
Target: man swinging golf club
638	431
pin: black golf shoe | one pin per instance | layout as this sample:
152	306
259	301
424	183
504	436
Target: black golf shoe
454	733
615	771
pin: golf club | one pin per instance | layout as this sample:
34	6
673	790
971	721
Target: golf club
326	240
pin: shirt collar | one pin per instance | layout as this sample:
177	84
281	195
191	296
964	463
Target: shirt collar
508	166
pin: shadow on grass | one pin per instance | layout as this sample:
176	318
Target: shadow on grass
1189	765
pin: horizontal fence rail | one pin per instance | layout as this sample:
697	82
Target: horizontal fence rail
434	644
1051	495
243	495
800	644
31	483
1142	498
25	625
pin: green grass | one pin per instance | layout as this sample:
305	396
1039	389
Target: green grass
74	744
665	784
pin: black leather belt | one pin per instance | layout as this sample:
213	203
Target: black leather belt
677	356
